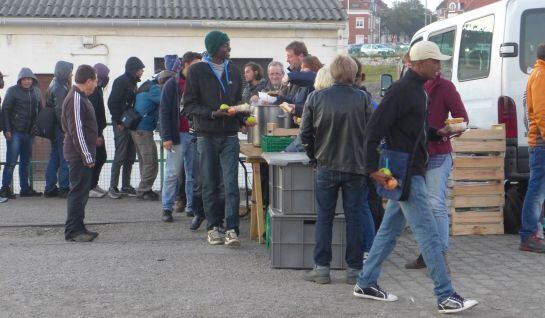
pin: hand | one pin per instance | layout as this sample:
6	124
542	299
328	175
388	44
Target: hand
219	113
100	141
285	79
380	178
249	125
90	165
445	131
120	127
7	134
254	99
292	108
167	144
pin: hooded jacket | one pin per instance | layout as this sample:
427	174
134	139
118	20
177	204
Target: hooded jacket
169	109
21	105
535	104
97	98
147	105
59	88
204	94
124	87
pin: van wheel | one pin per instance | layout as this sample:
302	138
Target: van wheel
514	198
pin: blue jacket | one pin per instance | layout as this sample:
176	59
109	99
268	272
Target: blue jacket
147	105
305	86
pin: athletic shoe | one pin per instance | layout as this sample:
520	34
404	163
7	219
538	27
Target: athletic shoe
319	274
231	239
351	275
7	193
418	263
30	193
167	216
94	193
373	292
100	190
455	303
214	237
533	244
130	191
52	192
114	193
2	199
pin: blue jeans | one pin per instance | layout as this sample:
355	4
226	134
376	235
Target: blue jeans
437	182
219	155
57	164
19	147
359	222
417	212
180	154
535	194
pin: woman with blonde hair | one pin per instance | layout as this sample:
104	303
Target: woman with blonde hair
323	79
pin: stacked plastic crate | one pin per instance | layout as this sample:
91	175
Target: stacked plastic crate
292	214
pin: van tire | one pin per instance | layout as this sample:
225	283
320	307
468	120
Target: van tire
514	198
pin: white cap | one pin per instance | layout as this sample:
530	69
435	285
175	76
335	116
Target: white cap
424	50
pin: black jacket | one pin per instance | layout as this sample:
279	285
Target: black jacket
21	105
251	90
204	95
399	119
97	99
333	126
169	110
58	88
123	92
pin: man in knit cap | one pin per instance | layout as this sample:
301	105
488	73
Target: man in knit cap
209	84
122	98
97	99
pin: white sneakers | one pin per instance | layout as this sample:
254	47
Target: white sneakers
97	192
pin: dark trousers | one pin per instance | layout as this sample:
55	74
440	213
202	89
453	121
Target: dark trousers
101	160
198	207
125	155
80	184
356	211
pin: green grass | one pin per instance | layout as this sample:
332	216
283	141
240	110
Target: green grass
372	72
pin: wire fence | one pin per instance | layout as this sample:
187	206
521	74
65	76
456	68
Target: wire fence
41	150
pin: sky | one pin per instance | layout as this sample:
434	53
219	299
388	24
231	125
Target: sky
432	4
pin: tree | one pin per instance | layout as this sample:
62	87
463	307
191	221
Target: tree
404	19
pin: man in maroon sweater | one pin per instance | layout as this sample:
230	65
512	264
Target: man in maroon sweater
443	100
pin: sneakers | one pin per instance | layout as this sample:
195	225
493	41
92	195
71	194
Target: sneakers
214	237
149	196
7	193
533	244
2	199
373	292
30	193
167	216
319	274
86	236
231	239
351	276
96	193
418	263
455	303
130	191
52	193
114	193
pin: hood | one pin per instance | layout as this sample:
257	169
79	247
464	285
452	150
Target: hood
540	64
62	70
26	72
102	74
133	64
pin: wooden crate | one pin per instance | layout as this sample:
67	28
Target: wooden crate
477	191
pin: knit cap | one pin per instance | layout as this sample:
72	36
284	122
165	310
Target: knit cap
214	40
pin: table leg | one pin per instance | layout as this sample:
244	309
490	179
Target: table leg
258	201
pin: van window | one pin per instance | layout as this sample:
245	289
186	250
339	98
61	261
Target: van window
531	35
445	41
475	49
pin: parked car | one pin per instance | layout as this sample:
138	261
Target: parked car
354	49
376	49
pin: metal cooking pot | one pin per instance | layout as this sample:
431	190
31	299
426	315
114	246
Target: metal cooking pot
264	115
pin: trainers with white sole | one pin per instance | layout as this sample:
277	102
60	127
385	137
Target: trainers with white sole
231	239
455	303
93	193
214	237
373	292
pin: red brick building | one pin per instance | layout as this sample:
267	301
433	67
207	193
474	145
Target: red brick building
450	8
363	20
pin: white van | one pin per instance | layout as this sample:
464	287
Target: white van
493	50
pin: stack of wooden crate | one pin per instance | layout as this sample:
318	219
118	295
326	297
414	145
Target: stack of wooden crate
477	181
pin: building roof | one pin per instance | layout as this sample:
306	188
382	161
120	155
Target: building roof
233	10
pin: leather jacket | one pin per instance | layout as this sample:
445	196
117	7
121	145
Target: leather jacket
21	105
333	126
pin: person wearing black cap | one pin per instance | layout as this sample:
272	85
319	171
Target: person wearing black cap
210	84
122	98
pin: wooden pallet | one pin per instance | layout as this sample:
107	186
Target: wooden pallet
477	191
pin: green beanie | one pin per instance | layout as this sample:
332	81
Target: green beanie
214	40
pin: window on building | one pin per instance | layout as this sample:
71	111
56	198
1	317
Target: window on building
445	40
476	49
531	34
360	23
359	38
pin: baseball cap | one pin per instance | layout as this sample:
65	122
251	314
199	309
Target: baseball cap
424	50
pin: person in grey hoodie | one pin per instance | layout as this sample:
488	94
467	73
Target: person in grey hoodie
57	168
20	109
